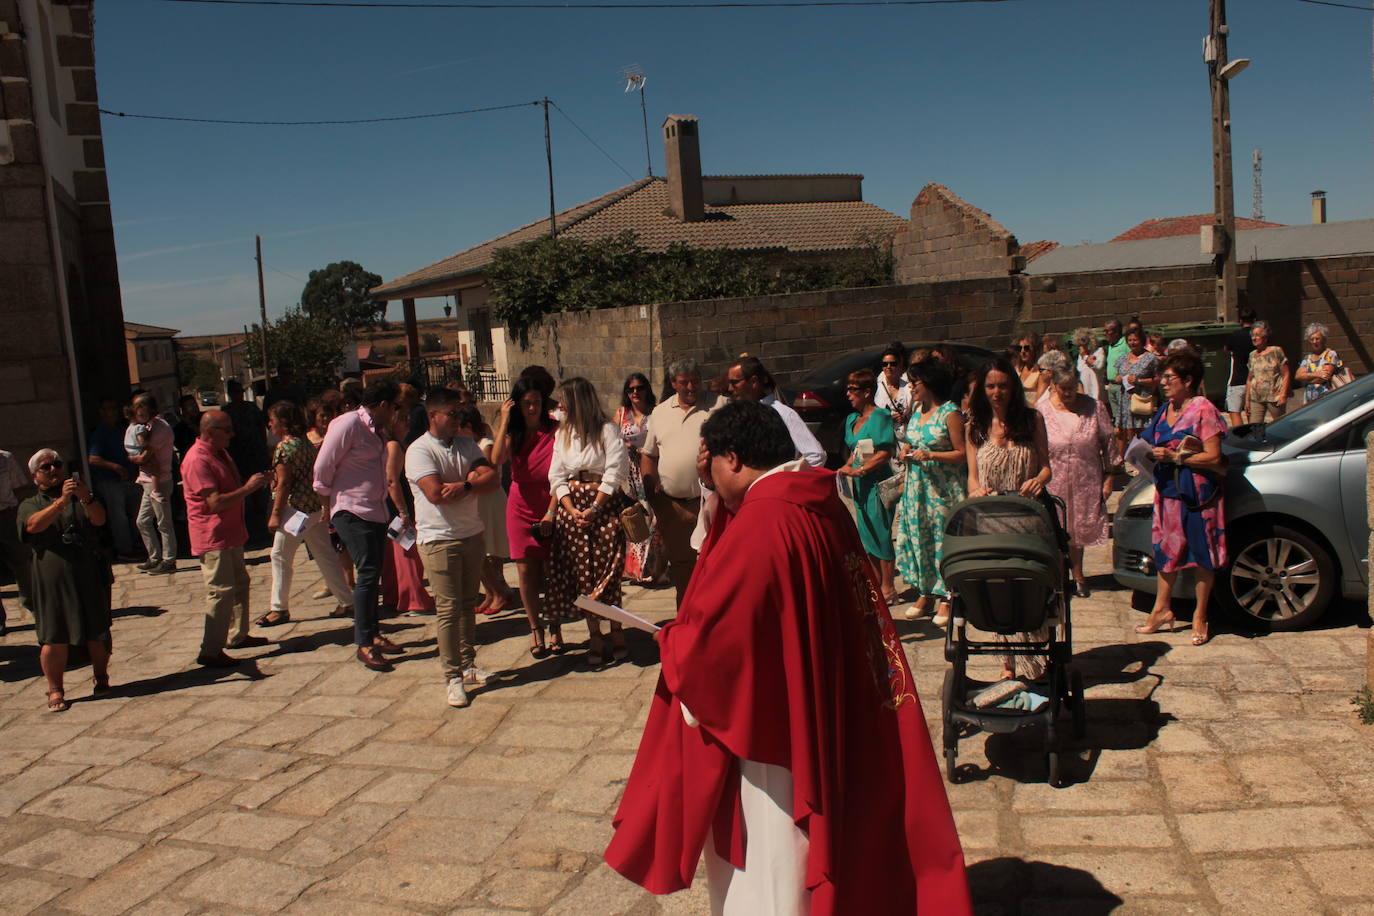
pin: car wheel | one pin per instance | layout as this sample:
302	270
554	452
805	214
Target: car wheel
1279	578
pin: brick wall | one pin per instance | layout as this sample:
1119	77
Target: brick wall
1337	292
950	239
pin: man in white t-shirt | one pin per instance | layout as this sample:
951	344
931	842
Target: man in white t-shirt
447	473
148	442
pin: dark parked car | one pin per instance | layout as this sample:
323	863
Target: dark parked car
1296	526
820	399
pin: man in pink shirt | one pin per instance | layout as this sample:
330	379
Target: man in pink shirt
214	517
350	475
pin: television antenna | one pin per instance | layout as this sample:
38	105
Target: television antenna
1257	192
635	78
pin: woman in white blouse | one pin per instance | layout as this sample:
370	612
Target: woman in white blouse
589	466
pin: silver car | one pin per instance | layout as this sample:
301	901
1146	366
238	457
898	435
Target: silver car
1297	529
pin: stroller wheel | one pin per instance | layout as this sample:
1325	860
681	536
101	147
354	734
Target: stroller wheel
951	763
1080	713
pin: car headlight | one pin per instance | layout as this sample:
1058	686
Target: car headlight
1141	503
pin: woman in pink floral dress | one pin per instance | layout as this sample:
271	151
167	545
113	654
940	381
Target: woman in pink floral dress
1082	448
1189	530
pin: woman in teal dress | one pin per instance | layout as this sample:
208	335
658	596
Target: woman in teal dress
867	467
935	481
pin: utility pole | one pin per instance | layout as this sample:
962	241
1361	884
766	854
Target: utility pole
548	154
262	308
1223	200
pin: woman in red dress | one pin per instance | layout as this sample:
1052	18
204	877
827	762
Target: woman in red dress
524	435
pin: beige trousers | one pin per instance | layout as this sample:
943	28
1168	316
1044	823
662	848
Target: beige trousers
454	570
226	599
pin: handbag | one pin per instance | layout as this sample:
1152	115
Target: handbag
890	488
1143	405
635	521
1342	378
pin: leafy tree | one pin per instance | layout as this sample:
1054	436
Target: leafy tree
313	347
198	373
339	293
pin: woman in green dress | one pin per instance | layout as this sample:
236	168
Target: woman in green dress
871	440
935	481
71	594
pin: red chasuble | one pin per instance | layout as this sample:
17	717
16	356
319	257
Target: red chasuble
785	653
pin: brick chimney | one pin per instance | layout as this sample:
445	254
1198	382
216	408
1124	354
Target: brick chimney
1318	206
683	154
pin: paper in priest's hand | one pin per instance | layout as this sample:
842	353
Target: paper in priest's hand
611	612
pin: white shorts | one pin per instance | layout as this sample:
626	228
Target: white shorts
1235	396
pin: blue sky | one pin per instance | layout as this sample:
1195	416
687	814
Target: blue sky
1069	120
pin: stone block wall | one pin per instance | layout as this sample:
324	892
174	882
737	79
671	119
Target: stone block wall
602	346
35	384
796	333
950	239
53	274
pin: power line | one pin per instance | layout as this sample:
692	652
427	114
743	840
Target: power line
724	4
1346	6
419	117
592	142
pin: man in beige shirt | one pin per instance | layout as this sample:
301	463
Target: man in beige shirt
668	464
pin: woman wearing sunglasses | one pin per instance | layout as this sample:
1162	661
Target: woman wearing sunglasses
644	560
1025	355
71	584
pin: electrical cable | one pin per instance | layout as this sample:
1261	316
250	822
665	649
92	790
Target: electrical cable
419	117
697	4
1346	6
591	141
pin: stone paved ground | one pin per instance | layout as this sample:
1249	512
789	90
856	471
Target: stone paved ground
1228	778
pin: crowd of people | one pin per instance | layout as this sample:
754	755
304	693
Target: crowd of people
410	502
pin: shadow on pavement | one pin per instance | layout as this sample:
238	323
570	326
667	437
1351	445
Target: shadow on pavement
1011	885
19	663
138	610
189	677
1113	723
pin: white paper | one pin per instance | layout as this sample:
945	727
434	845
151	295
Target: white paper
399	533
295	523
865	449
1141	454
611	612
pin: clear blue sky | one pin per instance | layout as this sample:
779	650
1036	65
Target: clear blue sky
1065	119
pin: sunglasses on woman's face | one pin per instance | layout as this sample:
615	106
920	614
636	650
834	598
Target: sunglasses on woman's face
890	362
1024	347
634	388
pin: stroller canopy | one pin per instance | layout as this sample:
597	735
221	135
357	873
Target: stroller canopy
1004	558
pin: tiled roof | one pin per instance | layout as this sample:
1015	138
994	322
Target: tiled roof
133	331
643	208
1170	226
1032	250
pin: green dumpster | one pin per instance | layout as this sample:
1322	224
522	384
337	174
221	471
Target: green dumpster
1209	337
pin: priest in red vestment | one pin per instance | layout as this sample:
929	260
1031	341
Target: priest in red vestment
785	739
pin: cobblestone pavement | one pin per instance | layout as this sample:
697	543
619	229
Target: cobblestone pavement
1233	777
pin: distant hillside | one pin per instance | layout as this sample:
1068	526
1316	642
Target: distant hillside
386	341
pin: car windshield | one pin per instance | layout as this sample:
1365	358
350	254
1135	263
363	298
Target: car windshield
1310	416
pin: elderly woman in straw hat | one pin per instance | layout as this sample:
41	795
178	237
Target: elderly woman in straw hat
71	595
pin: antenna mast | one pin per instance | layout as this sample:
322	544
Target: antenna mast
634	78
1257	192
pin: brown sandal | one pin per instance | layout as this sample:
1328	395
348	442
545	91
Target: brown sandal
57	701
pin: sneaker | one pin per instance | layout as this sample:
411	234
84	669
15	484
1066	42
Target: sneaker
148	565
457	696
165	568
475	677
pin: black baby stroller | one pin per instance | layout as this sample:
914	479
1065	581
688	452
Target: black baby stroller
1005	565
